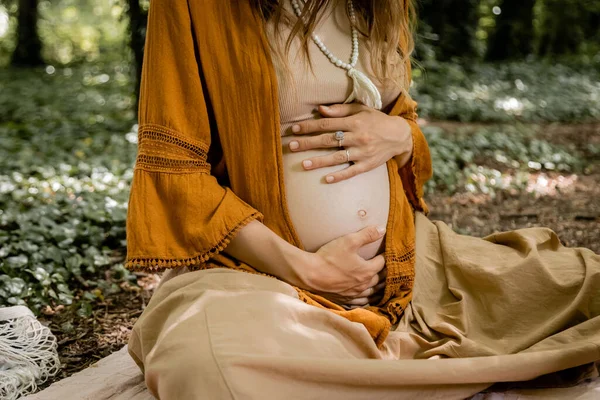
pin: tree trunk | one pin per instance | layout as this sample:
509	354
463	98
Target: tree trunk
453	23
137	29
592	29
28	52
514	34
562	29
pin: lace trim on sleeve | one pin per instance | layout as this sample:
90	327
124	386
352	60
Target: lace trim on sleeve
156	264
162	149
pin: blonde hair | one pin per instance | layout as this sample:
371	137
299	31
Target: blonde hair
387	25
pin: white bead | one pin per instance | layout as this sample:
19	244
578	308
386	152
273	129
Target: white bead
333	59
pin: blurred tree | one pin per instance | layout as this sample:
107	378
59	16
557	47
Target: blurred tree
28	51
452	24
592	28
562	27
137	31
514	34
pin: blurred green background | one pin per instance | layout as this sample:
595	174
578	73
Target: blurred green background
508	93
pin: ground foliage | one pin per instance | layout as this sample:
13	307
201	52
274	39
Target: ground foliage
498	157
519	91
68	145
66	153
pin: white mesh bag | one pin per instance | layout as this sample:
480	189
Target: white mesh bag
28	354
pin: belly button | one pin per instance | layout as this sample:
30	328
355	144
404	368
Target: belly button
362	213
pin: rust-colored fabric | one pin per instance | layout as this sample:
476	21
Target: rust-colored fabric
209	157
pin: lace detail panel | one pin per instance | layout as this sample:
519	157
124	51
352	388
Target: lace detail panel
402	258
402	268
155	264
162	149
399	282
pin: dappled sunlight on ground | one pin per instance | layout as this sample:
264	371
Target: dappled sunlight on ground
541	184
573	212
518	184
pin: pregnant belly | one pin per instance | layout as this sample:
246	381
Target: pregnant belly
321	211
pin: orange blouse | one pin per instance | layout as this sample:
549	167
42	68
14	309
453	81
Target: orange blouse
209	158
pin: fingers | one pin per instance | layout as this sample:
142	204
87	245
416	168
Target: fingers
372	283
335	158
362	288
353	299
371	295
365	236
373	289
375	284
359	301
346	173
340	119
342	110
324	125
378	287
324	140
377	263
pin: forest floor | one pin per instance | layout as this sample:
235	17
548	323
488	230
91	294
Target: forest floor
567	204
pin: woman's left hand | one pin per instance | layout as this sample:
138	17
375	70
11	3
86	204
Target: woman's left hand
370	136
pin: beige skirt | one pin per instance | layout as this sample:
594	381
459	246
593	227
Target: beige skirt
510	307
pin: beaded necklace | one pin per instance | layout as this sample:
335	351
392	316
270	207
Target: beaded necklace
363	90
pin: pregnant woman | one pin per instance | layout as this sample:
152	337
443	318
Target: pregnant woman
279	186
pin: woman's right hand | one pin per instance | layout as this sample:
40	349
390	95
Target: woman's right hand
337	272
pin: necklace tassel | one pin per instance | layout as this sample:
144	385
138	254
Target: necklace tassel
364	90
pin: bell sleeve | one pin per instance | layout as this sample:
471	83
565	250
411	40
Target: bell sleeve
418	169
178	213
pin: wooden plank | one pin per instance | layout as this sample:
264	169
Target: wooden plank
115	377
588	390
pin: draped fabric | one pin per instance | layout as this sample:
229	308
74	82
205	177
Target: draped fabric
209	154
